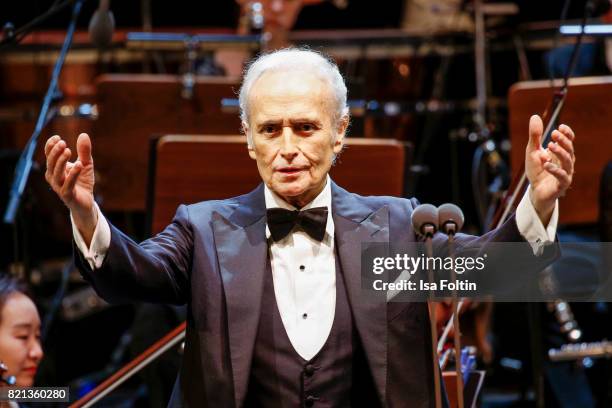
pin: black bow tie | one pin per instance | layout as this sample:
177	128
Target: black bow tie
311	221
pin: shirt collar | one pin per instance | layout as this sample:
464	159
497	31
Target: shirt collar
324	199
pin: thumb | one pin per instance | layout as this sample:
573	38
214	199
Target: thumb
536	128
84	149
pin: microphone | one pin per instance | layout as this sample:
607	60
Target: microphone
101	25
450	218
425	220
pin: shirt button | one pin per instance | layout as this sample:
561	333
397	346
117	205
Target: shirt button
302	267
309	370
305	316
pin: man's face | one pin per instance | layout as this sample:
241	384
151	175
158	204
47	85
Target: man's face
293	133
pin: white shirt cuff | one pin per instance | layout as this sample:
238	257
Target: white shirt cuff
100	241
530	226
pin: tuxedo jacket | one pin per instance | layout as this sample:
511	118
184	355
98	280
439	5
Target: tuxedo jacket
213	256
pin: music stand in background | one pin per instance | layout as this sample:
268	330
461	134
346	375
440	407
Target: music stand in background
132	107
590	120
187	169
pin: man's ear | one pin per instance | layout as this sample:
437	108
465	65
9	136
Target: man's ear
245	130
340	134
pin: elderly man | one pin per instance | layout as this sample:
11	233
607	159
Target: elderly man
276	316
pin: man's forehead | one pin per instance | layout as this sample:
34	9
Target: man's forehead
266	112
294	92
295	80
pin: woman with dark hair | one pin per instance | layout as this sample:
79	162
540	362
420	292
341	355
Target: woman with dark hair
20	348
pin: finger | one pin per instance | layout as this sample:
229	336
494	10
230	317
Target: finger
71	179
563	141
563	156
551	157
60	168
567	131
536	128
55	152
559	173
67	169
50	143
84	148
545	156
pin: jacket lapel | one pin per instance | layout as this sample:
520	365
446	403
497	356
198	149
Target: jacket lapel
242	252
355	223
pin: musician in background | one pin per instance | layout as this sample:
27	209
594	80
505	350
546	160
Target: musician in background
20	348
272	18
594	57
277	19
436	15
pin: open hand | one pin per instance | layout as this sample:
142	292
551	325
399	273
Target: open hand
550	171
73	182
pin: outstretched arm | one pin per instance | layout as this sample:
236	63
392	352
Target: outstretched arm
118	268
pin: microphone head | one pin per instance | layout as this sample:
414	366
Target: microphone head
425	215
450	215
101	27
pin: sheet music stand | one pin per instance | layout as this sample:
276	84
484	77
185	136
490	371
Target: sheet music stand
188	169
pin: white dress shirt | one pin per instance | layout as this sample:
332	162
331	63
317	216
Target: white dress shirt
304	270
304	275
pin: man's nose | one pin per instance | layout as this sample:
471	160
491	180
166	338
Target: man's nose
289	147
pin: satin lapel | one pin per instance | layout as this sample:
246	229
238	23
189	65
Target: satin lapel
370	316
242	252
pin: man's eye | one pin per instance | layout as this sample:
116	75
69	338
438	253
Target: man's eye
269	129
306	127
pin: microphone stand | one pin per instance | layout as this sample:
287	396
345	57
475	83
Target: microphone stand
428	231
15	36
425	223
450	222
451	230
24	165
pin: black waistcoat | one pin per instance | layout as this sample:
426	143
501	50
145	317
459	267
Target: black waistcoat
337	376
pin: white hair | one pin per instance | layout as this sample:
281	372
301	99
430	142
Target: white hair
289	59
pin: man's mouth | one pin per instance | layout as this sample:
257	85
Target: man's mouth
290	170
